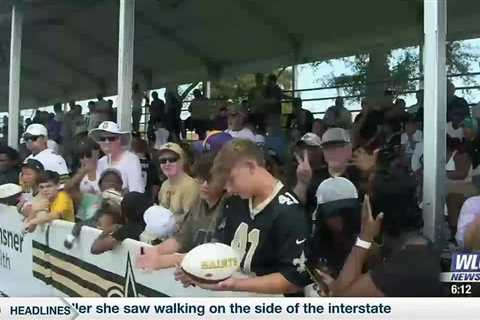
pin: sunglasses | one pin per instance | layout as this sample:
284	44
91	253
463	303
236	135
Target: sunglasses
31	138
168	160
107	139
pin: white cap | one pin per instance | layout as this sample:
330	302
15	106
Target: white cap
160	222
337	188
36	129
50	161
311	139
335	136
9	189
112	128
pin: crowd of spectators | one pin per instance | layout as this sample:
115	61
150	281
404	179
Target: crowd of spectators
326	206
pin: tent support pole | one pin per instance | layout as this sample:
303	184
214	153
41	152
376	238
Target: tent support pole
207	91
435	105
125	63
14	76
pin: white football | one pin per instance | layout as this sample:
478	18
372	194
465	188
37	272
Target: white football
211	262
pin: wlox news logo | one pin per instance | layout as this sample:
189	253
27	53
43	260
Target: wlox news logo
465	267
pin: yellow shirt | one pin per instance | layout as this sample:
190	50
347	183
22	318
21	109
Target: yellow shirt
179	197
62	207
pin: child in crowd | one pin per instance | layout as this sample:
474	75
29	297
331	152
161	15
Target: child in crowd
60	205
92	206
108	218
199	225
133	206
31	170
264	210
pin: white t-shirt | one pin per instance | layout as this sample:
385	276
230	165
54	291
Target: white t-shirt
129	167
52	145
416	138
470	210
454	133
51	161
89	186
245	133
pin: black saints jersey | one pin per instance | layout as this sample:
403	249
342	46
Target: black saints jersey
271	237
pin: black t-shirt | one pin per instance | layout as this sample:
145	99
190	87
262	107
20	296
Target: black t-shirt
373	120
274	240
457	105
149	174
412	272
274	94
157	110
129	231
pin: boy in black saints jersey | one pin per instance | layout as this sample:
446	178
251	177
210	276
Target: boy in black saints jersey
263	220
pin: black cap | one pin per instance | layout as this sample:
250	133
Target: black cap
34	165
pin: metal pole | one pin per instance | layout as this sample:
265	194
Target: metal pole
125	63
420	65
208	89
435	105
14	76
294	80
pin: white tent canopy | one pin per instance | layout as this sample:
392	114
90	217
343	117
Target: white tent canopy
73	49
70	47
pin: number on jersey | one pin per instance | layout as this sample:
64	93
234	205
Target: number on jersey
239	243
287	199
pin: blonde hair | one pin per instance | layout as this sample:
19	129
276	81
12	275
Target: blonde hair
232	153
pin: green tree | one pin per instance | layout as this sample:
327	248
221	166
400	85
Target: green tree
402	69
460	58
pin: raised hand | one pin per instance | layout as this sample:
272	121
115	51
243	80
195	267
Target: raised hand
370	227
304	170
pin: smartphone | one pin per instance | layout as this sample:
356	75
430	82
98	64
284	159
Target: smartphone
317	278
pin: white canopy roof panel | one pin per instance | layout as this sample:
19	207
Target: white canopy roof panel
70	46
